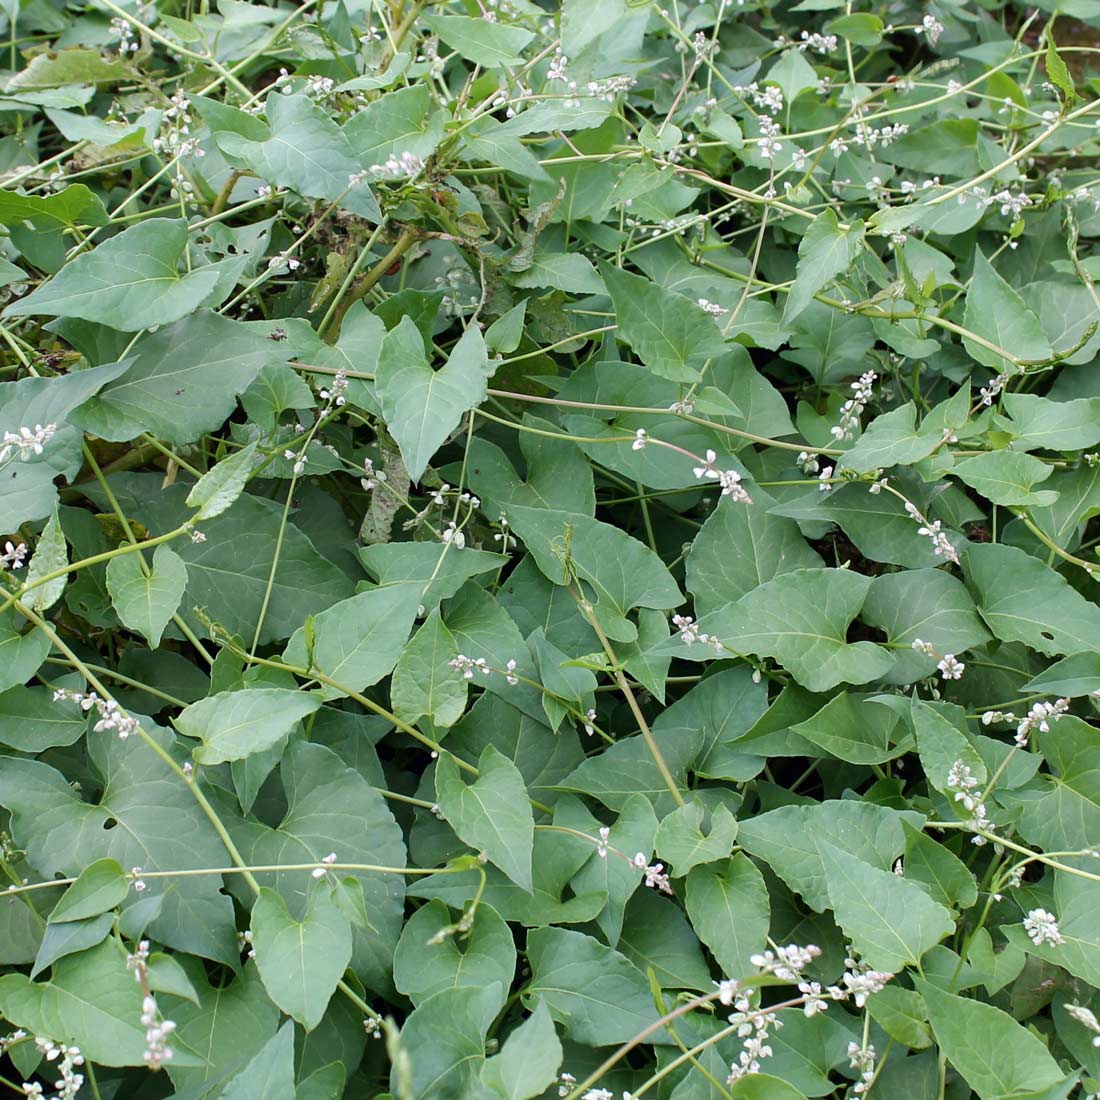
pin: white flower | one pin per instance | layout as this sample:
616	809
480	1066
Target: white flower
469	665
26	442
640	440
510	677
327	861
1087	1018
589	721
13	556
453	536
950	667
931	28
1042	927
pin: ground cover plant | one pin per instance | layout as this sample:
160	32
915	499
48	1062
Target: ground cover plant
549	550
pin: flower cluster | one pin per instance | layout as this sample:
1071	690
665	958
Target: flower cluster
729	480
690	634
655	875
950	667
941	544
26	442
1042	927
111	717
1087	1018
68	1080
13	556
964	783
861	1057
469	665
398	166
852	409
157	1028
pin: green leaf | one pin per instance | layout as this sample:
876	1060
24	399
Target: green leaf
491	814
1007	478
398	122
591	990
302	148
424	682
222	484
940	745
671	335
236	724
1021	600
182	381
889	921
997	1057
739	549
528	1062
901	1014
1057	71
32	722
21	654
891	439
50	554
129	282
59	940
479	41
91	999
859	28
997	313
357	641
433	954
852	727
56	69
75	205
825	251
728	907
623	572
763	1086
1039	423
443	1039
102	885
422	406
801	619
948	880
145	818
301	962
680	838
788	839
147	599
656	936
270	1073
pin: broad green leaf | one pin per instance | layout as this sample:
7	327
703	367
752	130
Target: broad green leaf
422	406
529	1061
492	814
222	484
31	721
801	619
671	335
901	1014
995	312
300	961
145	818
59	940
270	1073
1076	675
728	907
1007	477
234	724
940	745
128	282
227	1029
852	727
180	382
583	22
99	887
740	548
890	922
304	149
424	682
433	570
1037	423
22	650
91	999
478	40
51	553
433	954
929	604
443	1039
892	439
930	864
1021	600
332	808
997	1057
859	28
825	251
357	641
146	599
591	990
56	69
623	572
398	122
656	936
681	841
787	839
630	834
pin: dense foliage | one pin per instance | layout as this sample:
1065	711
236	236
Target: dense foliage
548	550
